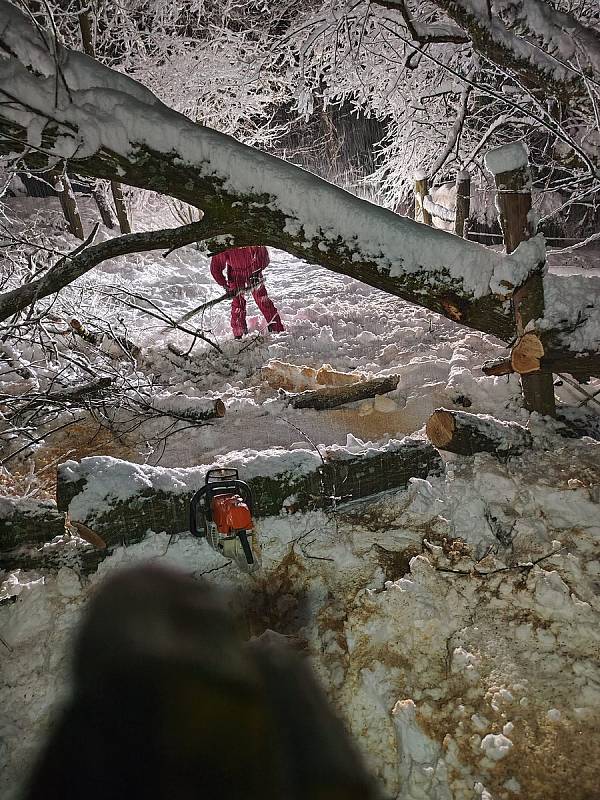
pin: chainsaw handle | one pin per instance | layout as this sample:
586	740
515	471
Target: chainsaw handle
194	502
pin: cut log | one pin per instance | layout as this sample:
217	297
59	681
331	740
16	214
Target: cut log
333	396
194	409
466	434
524	360
122	501
527	353
25	521
296	377
497	366
291	377
327	376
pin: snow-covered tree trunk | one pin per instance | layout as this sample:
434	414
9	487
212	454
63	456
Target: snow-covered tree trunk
109	126
62	106
121	501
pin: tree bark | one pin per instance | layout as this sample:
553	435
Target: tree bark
103	206
86	490
466	434
333	396
120	207
69	205
463	203
32	522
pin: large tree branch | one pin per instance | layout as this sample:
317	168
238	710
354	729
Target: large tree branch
60	104
109	126
74	265
545	48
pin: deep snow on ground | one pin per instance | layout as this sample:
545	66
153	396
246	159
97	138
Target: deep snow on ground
454	624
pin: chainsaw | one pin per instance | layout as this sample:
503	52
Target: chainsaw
221	511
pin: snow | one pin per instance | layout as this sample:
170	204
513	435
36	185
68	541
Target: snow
113	112
438	638
507	158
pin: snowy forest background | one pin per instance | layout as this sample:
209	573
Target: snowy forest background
452	618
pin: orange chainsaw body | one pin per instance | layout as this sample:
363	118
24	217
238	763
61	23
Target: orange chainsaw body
230	514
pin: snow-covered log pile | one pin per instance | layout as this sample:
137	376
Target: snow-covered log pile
121	501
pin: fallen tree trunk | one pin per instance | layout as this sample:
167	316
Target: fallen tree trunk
333	396
84	559
244	193
466	434
28	521
122	501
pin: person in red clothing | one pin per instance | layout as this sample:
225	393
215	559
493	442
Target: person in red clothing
241	268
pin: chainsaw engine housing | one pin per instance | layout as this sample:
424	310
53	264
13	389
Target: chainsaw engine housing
222	512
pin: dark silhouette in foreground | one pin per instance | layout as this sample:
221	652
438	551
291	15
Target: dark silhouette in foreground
169	702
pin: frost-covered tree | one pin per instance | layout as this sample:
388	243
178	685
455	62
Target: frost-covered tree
60	105
453	77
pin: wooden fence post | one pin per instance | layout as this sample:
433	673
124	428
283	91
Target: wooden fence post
463	203
510	166
421	190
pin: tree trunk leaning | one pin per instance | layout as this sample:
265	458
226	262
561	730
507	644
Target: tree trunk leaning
69	205
103	205
467	434
120	207
333	396
513	200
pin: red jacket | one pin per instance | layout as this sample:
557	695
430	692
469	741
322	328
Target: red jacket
241	264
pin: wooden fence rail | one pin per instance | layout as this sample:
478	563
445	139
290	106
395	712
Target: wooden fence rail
426	208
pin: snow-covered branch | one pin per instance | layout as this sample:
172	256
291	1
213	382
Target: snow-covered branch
72	266
502	38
